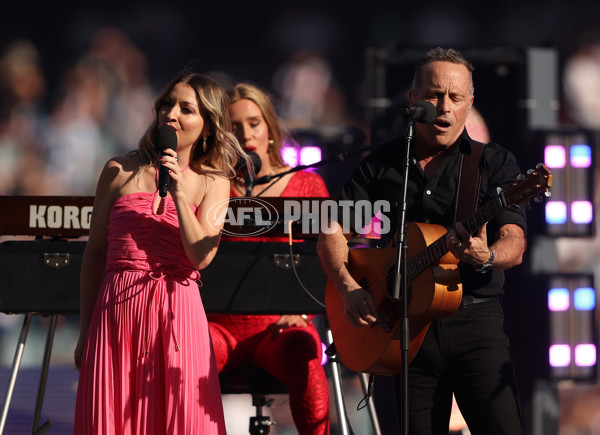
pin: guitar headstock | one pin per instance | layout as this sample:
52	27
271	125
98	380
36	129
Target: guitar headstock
536	183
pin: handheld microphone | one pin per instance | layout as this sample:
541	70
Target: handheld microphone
423	112
166	137
250	178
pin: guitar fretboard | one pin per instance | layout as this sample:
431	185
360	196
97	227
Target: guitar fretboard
432	253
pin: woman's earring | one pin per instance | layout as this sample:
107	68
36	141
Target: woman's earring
204	144
271	143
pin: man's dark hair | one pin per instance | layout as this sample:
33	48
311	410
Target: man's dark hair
443	55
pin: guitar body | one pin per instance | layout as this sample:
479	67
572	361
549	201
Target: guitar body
435	292
435	289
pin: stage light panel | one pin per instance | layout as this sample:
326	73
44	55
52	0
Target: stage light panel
558	299
572	349
555	156
289	154
582	212
293	155
569	153
556	212
581	156
310	155
560	355
585	355
584	299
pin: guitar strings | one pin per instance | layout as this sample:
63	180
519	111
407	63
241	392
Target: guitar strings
438	248
415	264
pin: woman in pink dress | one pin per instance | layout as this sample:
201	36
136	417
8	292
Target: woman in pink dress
144	352
286	346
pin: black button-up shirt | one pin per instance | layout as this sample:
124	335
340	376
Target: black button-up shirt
432	200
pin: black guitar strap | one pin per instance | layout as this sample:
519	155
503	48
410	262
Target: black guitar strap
467	191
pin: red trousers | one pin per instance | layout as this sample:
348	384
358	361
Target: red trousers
293	357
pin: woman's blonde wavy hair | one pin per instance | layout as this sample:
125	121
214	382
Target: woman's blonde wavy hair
223	151
277	133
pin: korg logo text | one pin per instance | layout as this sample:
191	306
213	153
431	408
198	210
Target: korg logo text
56	216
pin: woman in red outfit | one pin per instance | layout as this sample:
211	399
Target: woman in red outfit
286	346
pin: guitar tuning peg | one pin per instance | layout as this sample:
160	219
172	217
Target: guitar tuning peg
548	194
520	176
530	171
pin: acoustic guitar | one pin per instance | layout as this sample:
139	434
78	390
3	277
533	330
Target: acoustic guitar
435	288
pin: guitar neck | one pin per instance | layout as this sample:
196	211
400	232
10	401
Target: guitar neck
432	253
483	215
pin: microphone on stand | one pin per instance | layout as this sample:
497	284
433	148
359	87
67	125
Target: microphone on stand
166	137
250	176
423	111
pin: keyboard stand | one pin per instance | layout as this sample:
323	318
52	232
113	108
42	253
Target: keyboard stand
44	375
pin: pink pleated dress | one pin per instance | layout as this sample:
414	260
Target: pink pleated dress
148	365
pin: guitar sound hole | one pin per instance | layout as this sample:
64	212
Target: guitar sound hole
390	309
389	314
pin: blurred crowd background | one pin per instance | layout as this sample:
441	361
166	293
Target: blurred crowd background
77	84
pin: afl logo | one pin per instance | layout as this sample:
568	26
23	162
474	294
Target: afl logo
244	216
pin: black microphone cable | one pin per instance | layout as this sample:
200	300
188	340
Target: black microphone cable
291	244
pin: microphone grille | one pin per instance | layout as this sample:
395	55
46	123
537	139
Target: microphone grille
166	137
430	111
256	161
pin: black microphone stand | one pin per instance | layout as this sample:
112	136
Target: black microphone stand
400	278
401	281
249	181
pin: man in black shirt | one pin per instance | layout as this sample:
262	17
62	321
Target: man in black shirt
465	353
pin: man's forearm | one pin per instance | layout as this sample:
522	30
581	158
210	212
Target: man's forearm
333	253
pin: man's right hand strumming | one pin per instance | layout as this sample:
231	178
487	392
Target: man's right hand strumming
360	308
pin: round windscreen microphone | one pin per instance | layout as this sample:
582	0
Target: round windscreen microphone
423	111
250	176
